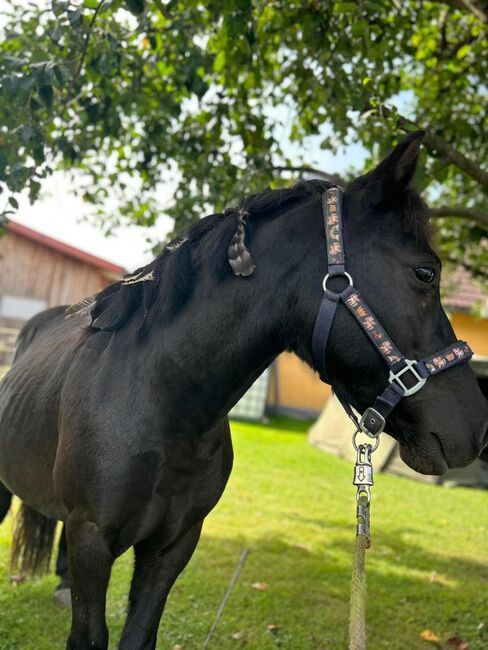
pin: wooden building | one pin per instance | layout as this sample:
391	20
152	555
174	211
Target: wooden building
37	271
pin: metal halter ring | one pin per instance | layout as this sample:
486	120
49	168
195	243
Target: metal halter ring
336	275
373	448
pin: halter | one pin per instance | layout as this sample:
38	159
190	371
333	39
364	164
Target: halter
373	420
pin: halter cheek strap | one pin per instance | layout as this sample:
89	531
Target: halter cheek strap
407	376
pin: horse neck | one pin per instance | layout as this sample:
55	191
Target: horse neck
223	339
216	348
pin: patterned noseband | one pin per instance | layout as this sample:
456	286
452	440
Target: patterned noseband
407	376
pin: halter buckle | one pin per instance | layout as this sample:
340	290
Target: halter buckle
409	366
372	423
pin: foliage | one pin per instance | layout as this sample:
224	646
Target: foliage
132	93
293	507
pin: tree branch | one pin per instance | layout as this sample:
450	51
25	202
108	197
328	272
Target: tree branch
476	7
332	178
449	52
436	143
457	211
461	212
87	39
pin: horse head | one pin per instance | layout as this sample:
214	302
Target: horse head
389	256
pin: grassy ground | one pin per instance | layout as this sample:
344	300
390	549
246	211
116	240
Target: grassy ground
293	507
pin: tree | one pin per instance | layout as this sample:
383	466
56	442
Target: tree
129	93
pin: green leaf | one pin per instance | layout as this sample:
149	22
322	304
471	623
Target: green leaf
34	189
43	72
345	7
135	6
91	4
220	61
75	18
463	51
57	33
13	202
60	73
27	83
59	7
14	62
25	133
10	86
46	93
38	153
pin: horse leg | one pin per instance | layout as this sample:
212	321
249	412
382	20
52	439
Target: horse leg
155	572
63	591
5	500
90	563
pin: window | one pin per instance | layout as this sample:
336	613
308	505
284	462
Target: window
20	308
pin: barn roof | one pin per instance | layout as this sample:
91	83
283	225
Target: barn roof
65	249
463	293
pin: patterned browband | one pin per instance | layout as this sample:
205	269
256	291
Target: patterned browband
406	376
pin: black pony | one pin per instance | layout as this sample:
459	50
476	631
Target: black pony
115	421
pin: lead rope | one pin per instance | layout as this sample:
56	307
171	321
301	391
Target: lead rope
363	479
357	619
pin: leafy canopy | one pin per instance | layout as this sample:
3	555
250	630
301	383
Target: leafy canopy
130	94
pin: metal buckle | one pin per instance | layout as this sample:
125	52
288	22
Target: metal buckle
410	365
376	420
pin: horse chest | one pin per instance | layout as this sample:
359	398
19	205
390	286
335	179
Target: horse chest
176	495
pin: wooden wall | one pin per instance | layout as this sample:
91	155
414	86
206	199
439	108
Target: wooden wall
473	330
30	270
299	386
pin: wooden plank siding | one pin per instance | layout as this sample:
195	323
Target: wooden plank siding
30	270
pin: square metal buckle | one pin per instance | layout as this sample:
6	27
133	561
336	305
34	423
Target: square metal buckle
409	366
372	423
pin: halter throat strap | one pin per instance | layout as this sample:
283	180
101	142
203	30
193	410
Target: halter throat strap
407	376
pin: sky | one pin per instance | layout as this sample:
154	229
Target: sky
62	215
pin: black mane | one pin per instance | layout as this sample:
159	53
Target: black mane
175	268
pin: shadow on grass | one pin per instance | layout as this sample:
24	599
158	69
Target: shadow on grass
304	605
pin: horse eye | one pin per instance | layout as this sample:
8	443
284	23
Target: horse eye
425	273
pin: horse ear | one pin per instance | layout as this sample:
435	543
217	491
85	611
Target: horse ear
394	174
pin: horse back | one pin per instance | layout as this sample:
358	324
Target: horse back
36	327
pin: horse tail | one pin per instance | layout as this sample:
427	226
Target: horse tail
33	541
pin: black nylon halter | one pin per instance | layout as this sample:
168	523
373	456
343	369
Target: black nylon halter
373	420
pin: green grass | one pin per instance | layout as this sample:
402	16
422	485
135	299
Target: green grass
293	507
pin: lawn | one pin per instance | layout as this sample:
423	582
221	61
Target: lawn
293	508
